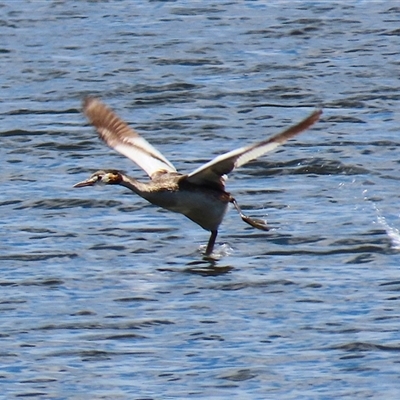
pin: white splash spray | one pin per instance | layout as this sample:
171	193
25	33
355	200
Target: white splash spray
392	232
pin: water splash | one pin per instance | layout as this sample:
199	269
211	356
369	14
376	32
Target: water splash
392	232
220	251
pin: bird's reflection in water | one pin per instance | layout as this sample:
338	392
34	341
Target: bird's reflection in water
207	266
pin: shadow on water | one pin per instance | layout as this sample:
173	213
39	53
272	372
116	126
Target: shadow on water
205	267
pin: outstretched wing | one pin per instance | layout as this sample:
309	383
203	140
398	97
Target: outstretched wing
118	135
212	172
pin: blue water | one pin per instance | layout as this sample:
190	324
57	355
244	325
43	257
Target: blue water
103	296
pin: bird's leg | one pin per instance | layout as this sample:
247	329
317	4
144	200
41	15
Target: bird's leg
255	223
211	242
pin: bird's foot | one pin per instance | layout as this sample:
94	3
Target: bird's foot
255	223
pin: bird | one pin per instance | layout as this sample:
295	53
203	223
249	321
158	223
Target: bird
199	195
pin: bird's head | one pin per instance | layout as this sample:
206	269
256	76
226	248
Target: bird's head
107	177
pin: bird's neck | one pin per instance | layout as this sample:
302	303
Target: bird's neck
133	184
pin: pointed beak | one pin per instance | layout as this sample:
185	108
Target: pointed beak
88	182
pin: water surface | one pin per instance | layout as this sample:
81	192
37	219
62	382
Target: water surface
104	296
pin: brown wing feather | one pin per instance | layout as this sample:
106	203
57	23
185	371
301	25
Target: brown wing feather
118	135
212	172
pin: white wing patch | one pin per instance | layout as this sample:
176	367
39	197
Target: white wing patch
211	173
118	135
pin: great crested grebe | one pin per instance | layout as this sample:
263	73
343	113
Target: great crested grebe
199	195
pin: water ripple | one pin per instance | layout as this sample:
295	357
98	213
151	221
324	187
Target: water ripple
104	295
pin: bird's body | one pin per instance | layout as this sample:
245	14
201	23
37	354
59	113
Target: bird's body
200	195
206	207
203	205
